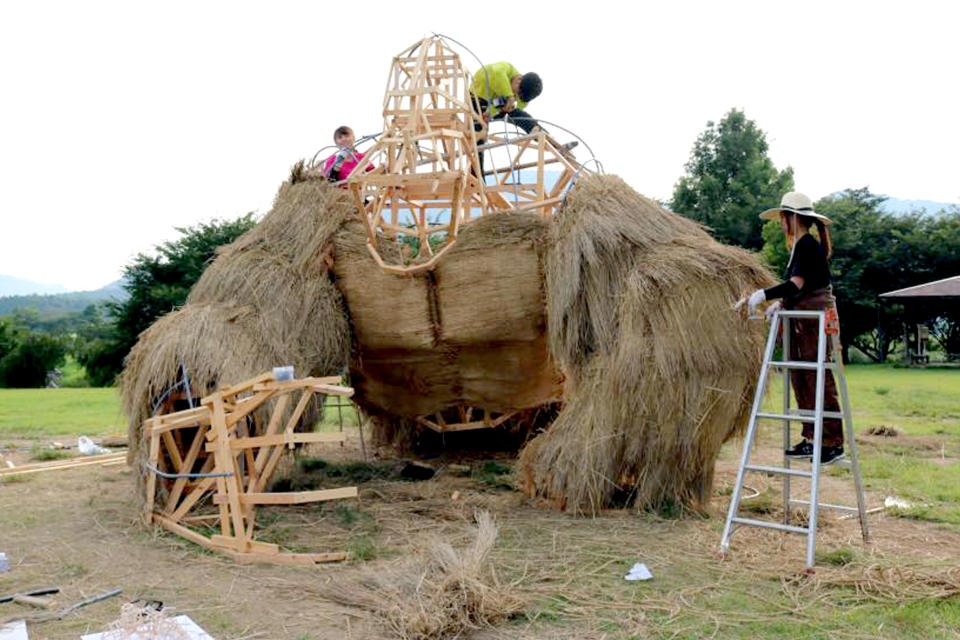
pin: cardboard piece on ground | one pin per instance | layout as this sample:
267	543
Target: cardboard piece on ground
16	630
187	627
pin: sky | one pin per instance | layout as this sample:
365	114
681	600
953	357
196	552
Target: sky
120	121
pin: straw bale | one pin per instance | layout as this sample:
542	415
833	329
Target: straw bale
298	312
300	224
386	311
660	369
471	332
497	259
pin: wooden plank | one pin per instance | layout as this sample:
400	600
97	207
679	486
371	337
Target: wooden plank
296	497
295	416
264	454
188	463
247	406
224	462
299	559
201	488
184	532
151	489
173	450
299	383
196	417
64	464
255	442
234	389
252	546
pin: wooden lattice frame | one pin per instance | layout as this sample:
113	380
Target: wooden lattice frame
428	160
214	441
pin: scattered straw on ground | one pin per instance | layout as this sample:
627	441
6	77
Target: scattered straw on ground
441	594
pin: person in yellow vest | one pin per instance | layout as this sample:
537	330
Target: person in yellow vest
500	92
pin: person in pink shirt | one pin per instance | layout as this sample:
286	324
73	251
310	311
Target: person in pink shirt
340	165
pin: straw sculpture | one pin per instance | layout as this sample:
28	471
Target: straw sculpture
659	369
616	307
266	300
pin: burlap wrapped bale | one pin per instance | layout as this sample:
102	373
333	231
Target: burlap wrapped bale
471	332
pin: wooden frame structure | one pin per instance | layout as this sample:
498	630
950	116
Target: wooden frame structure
428	156
223	453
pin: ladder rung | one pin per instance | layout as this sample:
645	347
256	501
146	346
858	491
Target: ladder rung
800	364
781	470
809	412
770	525
798	417
827	505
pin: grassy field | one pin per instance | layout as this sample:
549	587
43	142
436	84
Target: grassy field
568	571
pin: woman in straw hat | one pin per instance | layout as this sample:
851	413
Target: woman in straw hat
807	287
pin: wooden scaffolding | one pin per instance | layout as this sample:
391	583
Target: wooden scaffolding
221	456
421	180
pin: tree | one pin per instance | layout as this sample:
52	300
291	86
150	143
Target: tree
730	180
157	284
27	364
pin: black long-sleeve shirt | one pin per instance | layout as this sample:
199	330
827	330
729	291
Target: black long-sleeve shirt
810	263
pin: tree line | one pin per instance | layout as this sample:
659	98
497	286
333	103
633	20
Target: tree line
728	181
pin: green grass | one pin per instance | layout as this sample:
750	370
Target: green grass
42	453
34	413
920	464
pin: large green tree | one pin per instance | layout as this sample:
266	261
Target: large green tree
157	283
730	180
876	252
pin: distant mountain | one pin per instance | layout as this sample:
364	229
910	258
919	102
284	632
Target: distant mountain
52	306
11	286
896	205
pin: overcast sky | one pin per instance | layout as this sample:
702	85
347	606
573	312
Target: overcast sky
120	121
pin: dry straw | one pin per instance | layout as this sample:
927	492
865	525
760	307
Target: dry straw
441	593
659	369
266	300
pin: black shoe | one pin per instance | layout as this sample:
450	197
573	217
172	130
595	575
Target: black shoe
804	449
829	455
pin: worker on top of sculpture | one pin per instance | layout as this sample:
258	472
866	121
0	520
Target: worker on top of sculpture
340	165
499	90
807	287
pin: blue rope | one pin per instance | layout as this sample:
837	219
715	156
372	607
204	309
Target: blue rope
174	476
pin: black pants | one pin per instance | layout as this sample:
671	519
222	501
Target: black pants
518	117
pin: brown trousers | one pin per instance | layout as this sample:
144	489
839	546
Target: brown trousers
803	346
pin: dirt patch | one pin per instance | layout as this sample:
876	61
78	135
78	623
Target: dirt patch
77	529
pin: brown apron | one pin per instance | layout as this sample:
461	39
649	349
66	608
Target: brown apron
803	346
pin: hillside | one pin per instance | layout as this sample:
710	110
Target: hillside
13	286
52	306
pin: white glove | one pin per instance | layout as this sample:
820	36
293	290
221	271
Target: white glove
755	299
775	306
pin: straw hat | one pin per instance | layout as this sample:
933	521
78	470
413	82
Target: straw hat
794	202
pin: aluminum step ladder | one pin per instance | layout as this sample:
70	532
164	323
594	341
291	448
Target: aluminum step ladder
822	365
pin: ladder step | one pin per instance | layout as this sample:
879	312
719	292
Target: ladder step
770	525
800	417
780	470
827	505
801	364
